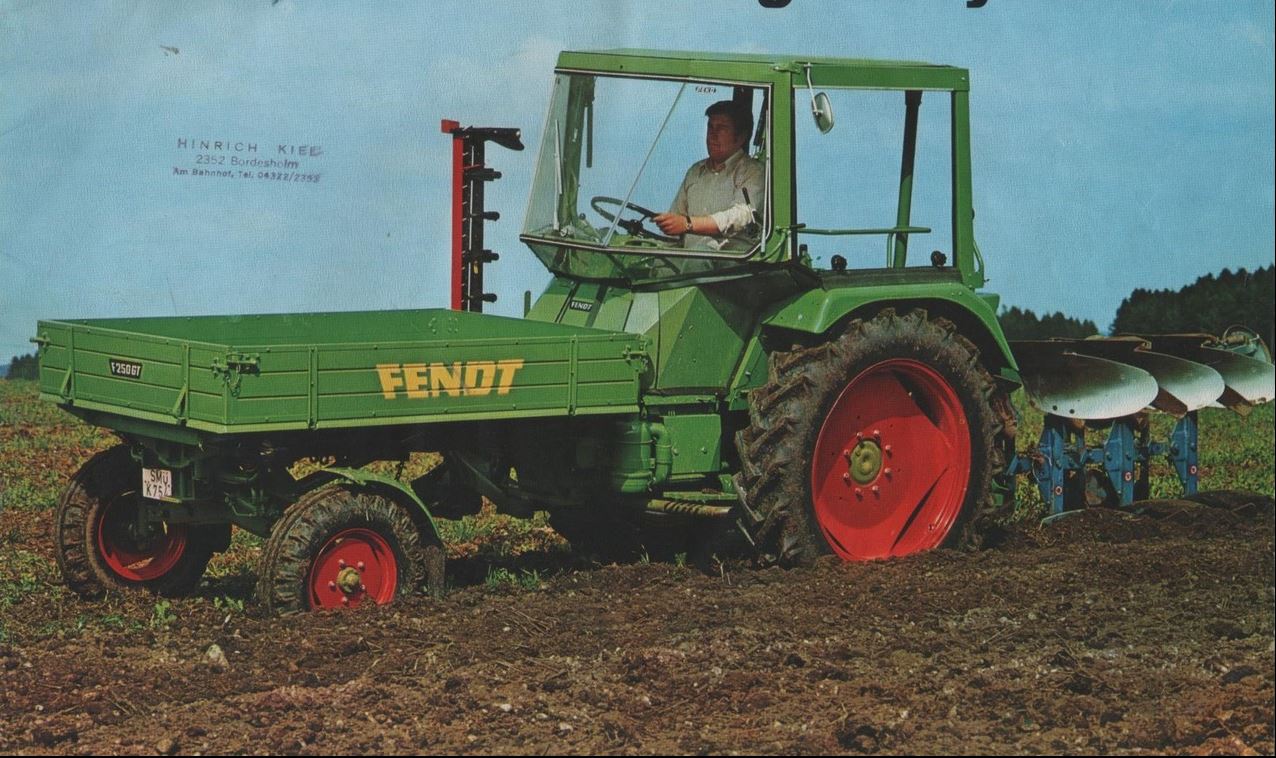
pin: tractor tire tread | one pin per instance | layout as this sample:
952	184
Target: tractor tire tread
787	412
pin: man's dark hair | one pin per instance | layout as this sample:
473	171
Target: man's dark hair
741	116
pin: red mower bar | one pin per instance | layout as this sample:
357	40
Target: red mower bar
468	174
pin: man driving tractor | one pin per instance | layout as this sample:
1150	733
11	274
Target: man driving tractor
719	194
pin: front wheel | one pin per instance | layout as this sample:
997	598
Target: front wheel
102	545
880	443
344	547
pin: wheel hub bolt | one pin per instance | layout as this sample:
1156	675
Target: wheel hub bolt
348	580
859	492
341	563
332	585
876	489
865	462
359	565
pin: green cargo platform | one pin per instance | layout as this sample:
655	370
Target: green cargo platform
228	374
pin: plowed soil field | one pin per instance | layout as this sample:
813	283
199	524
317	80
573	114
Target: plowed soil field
1102	633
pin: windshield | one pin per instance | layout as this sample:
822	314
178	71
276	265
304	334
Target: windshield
641	178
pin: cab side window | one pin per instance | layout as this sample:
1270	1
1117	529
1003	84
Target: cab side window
850	179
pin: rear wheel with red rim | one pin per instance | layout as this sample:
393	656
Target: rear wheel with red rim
102	544
133	552
880	443
891	462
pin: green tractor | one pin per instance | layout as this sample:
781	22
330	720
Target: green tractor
722	370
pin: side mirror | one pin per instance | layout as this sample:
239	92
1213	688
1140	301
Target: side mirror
822	110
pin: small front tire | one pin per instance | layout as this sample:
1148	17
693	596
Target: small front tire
344	547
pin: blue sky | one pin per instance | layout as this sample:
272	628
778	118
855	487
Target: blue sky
1116	145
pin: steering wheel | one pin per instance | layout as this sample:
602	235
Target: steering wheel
634	226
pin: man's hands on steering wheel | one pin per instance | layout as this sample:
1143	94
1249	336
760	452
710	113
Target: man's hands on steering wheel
634	227
673	223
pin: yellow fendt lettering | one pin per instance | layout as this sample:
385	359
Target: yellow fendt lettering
479	378
388	373
507	374
445	379
458	379
416	377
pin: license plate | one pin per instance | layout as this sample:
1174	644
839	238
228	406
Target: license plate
157	483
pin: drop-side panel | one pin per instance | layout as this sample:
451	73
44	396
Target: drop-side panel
298	371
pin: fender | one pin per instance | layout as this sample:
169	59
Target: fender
395	490
820	309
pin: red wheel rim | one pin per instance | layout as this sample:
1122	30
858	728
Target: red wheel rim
355	566
910	415
132	558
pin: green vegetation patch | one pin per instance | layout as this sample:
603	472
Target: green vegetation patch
41	447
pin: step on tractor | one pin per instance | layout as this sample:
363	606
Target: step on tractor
748	365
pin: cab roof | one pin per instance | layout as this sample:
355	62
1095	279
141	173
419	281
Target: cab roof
764	68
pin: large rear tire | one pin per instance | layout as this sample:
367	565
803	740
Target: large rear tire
882	442
101	548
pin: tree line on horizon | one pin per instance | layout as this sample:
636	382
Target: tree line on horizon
1209	305
1212	304
23	367
1023	324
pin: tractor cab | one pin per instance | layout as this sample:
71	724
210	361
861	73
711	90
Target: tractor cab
625	128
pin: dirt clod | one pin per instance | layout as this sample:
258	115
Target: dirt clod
215	657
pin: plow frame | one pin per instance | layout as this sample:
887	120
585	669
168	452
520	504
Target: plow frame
1125	458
